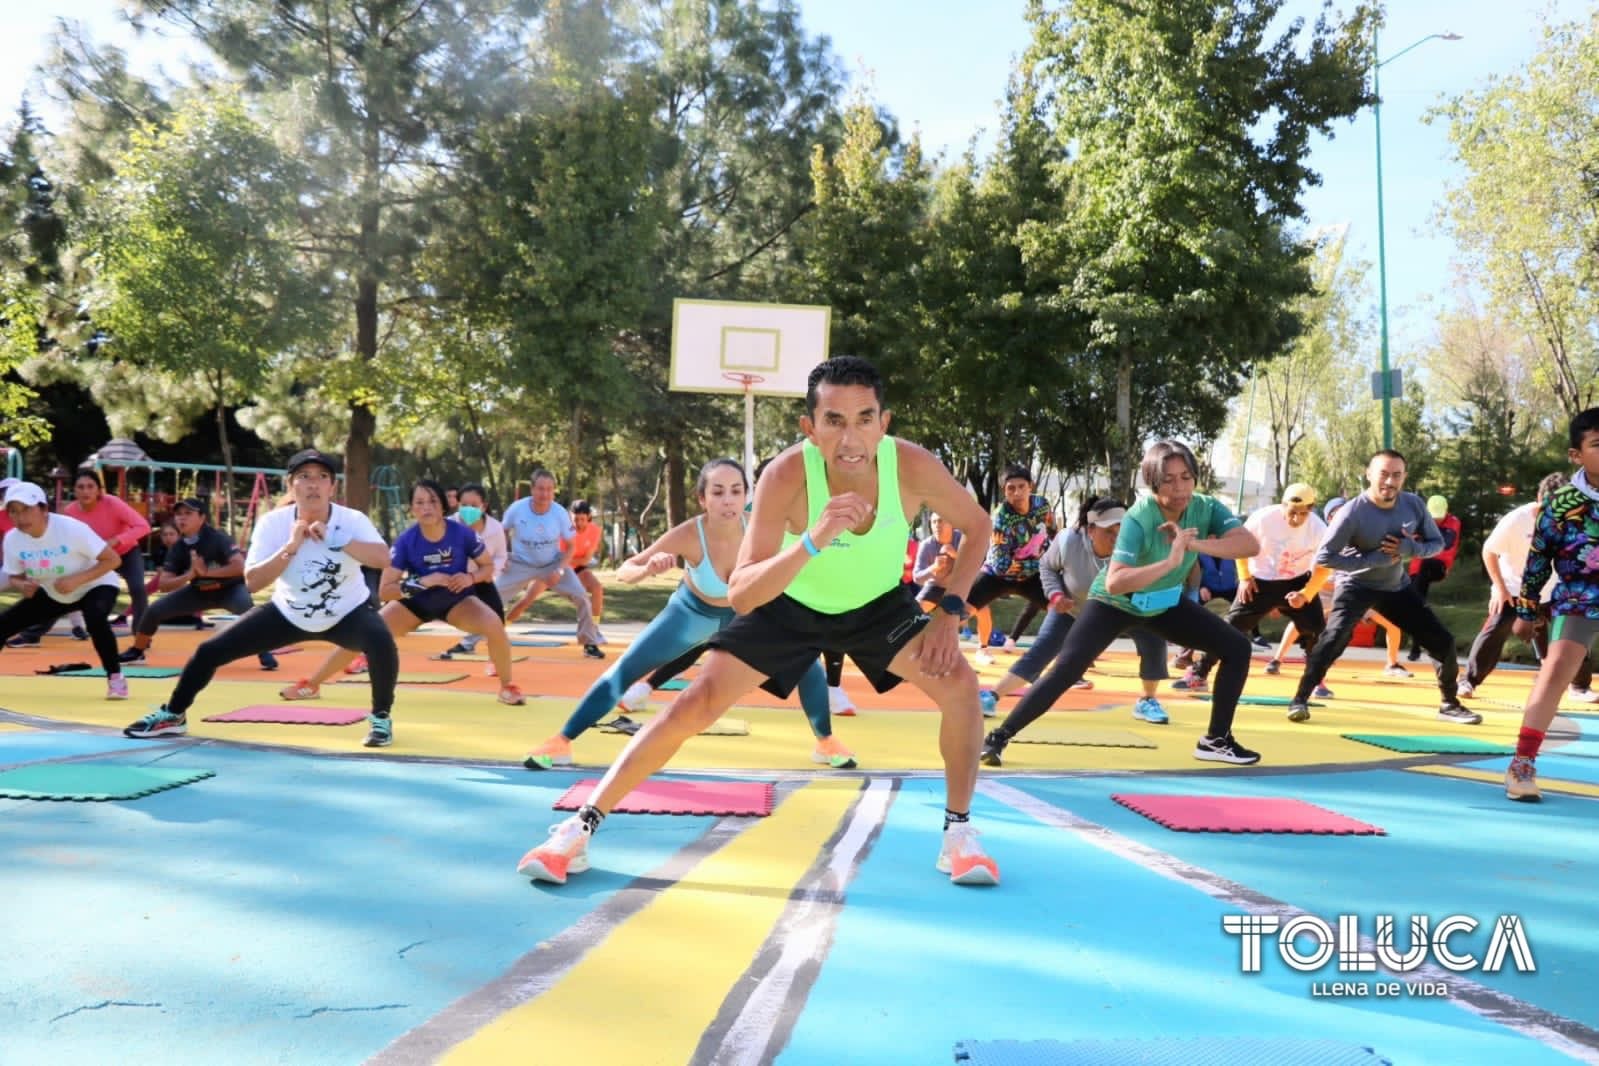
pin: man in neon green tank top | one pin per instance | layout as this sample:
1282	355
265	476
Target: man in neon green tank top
820	571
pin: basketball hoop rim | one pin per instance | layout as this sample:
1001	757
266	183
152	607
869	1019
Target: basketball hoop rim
743	378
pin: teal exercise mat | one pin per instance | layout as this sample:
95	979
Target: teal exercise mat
93	781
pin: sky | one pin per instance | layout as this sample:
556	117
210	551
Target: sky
940	67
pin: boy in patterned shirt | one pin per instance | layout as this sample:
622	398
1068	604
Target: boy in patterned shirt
1565	541
1024	526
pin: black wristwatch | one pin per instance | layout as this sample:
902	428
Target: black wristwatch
955	605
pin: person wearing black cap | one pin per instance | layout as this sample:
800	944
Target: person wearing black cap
202	571
311	553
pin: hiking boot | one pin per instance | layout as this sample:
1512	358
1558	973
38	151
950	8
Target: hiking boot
380	732
557	751
962	857
833	754
158	723
1148	709
1521	781
564	854
1225	749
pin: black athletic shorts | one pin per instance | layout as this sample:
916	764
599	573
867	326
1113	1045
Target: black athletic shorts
432	604
782	638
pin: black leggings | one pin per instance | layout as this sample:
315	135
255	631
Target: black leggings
40	610
1187	625
989	588
264	628
1402	607
1271	595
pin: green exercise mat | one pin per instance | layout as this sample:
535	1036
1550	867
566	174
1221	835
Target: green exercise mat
93	781
128	671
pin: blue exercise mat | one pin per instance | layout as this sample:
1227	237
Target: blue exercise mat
1167	1051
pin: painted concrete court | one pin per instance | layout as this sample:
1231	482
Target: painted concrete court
314	902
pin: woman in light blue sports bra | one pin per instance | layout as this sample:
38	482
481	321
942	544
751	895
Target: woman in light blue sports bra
709	546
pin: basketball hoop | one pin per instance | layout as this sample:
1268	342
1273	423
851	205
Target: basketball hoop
746	380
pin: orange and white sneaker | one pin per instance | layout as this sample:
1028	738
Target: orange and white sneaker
557	751
832	753
301	690
962	857
512	696
357	665
565	853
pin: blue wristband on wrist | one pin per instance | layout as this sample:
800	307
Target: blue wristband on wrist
810	545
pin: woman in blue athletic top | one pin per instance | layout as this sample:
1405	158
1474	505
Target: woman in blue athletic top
708	546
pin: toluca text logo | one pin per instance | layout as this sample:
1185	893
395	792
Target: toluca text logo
1307	944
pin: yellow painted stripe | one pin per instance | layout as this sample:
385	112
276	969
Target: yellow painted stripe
1570	788
659	979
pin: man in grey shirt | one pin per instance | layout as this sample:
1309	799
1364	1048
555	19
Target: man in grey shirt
1370	544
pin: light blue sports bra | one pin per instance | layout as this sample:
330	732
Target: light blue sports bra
706	580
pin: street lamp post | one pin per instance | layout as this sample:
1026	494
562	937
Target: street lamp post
1382	250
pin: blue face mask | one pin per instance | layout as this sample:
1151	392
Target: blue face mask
469	515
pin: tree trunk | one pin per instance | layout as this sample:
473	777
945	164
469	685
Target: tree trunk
676	504
227	458
363	421
1121	451
574	442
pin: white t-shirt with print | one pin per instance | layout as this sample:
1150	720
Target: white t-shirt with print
1285	552
67	547
321	584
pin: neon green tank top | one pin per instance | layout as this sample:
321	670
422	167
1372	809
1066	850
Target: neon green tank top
857	567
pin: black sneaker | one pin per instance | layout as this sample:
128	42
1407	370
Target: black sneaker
132	655
1299	711
1414	655
1273	666
994	749
458	648
1454	712
1259	641
23	640
1225	749
592	651
268	661
79	633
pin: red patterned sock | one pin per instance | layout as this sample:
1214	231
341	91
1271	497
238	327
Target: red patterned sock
1529	742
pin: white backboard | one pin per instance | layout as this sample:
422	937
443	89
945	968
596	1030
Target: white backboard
716	341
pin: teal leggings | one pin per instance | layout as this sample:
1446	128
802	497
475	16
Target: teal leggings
686	622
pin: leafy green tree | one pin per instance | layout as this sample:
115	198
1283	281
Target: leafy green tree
197	272
1526	211
1186	129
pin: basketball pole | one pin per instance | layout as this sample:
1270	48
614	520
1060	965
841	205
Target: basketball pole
749	430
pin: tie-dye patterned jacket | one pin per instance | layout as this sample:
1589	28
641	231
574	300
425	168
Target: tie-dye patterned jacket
1020	539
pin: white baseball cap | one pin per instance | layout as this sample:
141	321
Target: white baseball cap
25	492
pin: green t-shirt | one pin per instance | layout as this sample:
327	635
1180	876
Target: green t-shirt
1141	543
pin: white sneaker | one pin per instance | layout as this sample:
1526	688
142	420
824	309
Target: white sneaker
962	857
566	852
636	698
1395	670
1582	695
1465	690
838	702
985	657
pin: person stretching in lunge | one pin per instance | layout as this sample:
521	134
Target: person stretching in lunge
311	553
1370	542
708	545
1566	542
821	568
1161	536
